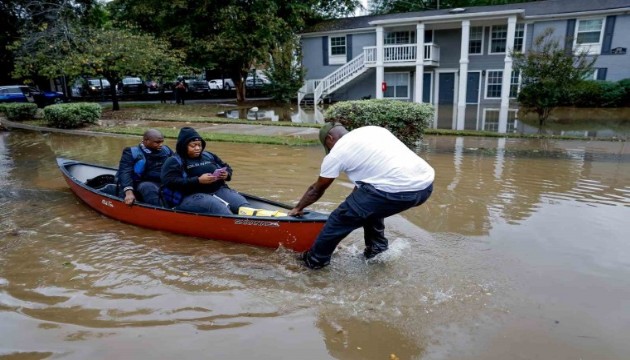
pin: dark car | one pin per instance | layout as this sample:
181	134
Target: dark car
132	86
196	84
23	93
93	87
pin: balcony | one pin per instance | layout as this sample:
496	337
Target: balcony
405	54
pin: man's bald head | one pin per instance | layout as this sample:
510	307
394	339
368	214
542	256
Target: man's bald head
153	139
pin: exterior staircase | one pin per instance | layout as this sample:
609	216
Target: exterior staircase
326	86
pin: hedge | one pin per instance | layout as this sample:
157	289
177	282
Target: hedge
19	111
406	120
70	116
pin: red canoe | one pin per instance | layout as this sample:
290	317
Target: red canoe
296	233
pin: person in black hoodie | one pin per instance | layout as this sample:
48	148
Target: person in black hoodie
195	179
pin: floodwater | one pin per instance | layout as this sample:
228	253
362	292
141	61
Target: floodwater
523	252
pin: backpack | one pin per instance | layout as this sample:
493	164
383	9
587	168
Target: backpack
141	161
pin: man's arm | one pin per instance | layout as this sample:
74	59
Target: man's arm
125	171
312	194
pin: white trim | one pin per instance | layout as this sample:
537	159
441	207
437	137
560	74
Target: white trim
356	31
446	18
570	15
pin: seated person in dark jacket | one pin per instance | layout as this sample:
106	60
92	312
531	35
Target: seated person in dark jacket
194	179
140	167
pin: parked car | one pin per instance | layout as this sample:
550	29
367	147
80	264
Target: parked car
23	93
221	84
90	87
132	86
256	82
196	84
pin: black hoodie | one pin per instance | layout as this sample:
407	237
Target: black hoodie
173	170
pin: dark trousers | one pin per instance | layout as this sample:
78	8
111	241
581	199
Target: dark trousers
366	207
149	192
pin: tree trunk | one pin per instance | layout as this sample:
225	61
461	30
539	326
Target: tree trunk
240	91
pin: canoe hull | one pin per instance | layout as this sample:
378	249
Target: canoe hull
290	232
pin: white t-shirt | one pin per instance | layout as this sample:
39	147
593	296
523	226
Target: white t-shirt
373	155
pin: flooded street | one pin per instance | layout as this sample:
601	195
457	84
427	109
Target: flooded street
522	252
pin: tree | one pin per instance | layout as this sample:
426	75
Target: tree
77	39
549	73
231	35
380	7
285	70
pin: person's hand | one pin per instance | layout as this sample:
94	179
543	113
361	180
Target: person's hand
207	179
130	198
223	175
296	212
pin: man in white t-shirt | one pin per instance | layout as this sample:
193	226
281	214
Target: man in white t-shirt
388	177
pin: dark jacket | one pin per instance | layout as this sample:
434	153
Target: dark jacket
152	168
184	176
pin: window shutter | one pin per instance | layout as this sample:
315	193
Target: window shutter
601	73
608	34
349	47
568	45
325	50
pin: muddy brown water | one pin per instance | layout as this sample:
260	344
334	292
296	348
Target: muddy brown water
523	252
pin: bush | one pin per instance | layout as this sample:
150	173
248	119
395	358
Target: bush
625	85
405	120
70	116
594	93
19	111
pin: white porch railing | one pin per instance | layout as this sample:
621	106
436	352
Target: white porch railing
403	53
307	88
339	77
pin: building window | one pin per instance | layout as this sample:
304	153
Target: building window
397	86
588	36
337	50
519	37
498	39
399	37
491	120
515	82
493	84
337	46
475	43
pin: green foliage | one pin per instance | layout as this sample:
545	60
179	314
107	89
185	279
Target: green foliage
597	94
71	116
625	84
548	74
285	72
19	111
379	7
406	120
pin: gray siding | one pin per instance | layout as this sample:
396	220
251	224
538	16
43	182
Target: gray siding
618	66
449	42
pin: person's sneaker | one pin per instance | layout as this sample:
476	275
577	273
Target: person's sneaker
369	253
309	262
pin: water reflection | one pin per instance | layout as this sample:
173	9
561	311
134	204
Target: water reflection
517	235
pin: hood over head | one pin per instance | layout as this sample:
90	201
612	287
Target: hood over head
186	135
